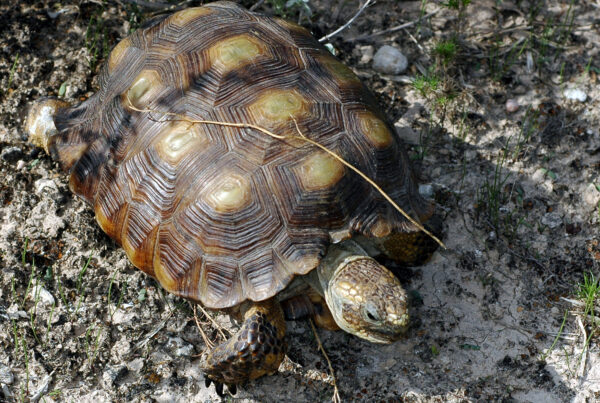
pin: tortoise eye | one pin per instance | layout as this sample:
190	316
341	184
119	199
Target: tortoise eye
372	314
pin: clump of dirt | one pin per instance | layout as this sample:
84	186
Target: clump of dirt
493	314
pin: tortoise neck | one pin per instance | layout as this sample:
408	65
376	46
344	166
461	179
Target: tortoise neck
332	262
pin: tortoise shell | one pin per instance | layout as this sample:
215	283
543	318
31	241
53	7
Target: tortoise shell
224	214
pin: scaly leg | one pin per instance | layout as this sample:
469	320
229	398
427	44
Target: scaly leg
255	350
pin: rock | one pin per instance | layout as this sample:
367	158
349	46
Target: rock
6	375
591	195
178	347
366	53
123	315
42	184
389	60
426	190
136	365
42	295
512	105
408	135
11	154
575	94
45	213
552	220
112	373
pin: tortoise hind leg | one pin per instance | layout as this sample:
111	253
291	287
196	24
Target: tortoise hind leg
413	248
255	350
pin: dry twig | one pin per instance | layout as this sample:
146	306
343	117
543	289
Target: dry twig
394	29
582	363
347	24
209	344
336	393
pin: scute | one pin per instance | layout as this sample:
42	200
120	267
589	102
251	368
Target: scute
226	214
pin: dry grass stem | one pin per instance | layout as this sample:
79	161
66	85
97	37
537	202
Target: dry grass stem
209	344
219	328
582	363
347	24
301	137
336	393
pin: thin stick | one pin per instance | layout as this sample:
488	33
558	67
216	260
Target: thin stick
256	5
215	324
207	341
394	29
336	393
372	183
302	137
347	24
585	348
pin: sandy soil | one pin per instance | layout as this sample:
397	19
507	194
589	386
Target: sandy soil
518	193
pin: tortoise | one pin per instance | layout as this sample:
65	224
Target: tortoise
265	228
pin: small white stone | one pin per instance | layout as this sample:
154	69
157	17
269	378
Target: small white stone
42	184
512	105
20	165
136	365
389	60
366	53
426	190
6	375
575	94
591	195
179	347
42	295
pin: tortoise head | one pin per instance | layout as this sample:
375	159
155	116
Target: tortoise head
367	300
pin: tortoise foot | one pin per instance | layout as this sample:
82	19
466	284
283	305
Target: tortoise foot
255	350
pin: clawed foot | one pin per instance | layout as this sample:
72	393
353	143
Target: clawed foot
219	387
255	350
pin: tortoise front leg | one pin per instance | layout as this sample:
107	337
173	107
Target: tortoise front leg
255	350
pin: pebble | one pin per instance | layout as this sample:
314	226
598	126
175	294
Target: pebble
366	53
552	220
136	365
407	134
591	195
389	60
20	165
179	347
512	105
6	375
44	295
575	94
11	154
42	184
426	190
112	373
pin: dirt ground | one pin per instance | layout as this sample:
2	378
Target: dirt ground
495	317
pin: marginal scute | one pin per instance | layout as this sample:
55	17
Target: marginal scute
230	192
320	171
184	17
292	26
144	88
117	54
236	51
342	73
374	129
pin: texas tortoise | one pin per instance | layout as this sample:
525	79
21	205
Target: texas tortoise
232	217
